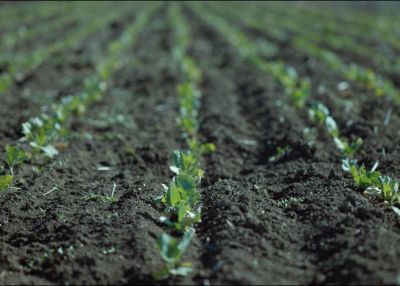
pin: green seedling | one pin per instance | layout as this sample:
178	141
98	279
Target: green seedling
180	195
103	198
40	132
320	114
348	149
364	178
5	182
191	71
185	218
171	251
189	105
280	153
15	157
186	162
386	188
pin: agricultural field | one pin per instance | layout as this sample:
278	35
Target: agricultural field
199	143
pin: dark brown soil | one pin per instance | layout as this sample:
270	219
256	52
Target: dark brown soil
298	220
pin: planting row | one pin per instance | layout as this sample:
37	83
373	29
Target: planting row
309	44
46	132
298	89
181	197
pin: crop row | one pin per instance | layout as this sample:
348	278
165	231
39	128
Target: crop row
44	132
373	181
14	19
181	198
24	63
365	78
14	39
382	59
369	28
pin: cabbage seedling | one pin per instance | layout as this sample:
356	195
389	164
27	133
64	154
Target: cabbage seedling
5	182
15	157
387	188
280	153
171	250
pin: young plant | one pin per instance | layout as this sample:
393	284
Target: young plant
15	157
5	182
320	114
181	198
364	178
280	153
172	250
387	188
348	148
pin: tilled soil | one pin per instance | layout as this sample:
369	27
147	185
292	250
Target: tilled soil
297	220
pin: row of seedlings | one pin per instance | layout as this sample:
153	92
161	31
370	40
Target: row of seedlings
370	28
181	198
17	17
298	89
307	43
372	181
24	34
24	63
44	132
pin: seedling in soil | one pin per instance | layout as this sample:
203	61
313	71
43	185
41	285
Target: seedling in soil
5	182
321	115
364	178
186	162
348	149
15	157
386	188
97	197
171	250
280	153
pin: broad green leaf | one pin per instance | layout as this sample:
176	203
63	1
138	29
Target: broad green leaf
173	195
187	185
207	148
183	207
5	182
168	247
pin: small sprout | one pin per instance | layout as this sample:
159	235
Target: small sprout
387	188
171	250
110	250
348	149
102	198
280	153
15	157
5	182
364	178
185	162
320	114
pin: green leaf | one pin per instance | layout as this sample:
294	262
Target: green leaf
208	148
168	247
187	185
5	182
183	207
182	270
15	156
177	162
173	195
